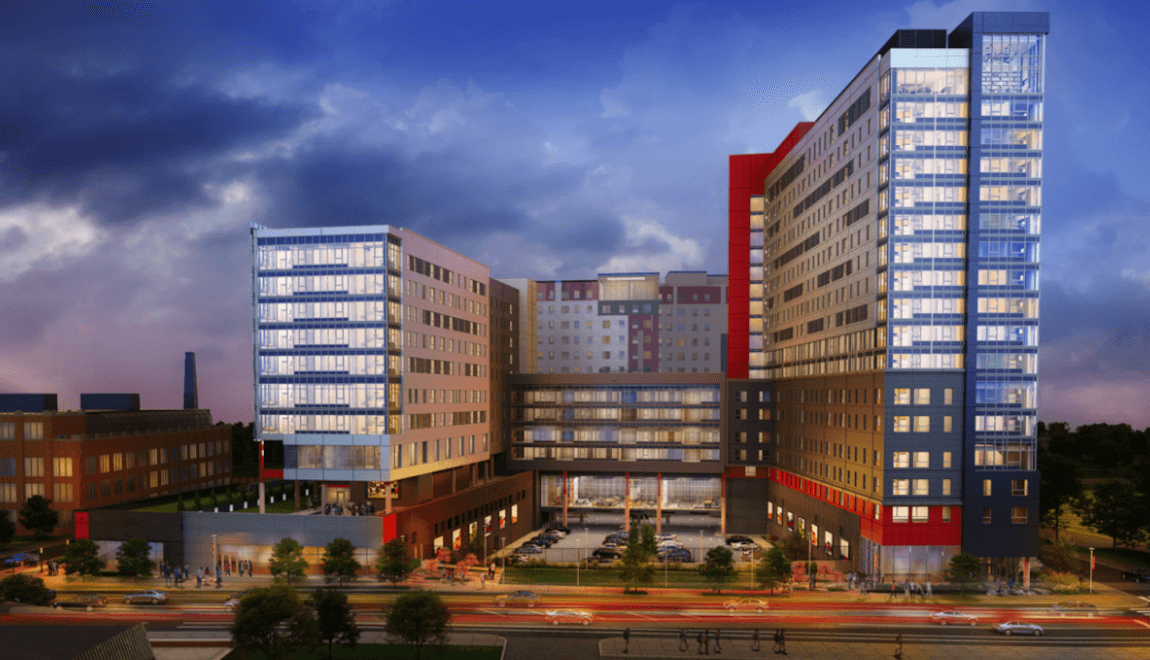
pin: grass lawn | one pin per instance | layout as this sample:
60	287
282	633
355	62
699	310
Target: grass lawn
389	651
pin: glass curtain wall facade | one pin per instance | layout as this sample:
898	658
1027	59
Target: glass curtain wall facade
328	347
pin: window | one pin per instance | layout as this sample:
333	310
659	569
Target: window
1018	515
130	460
946	459
900	513
921	487
922	459
986	487
1019	487
90	465
946	486
105	463
922	396
948	396
900	487
33	467
947	423
920	513
62	467
900	459
921	423
106	488
117	462
33	430
61	492
901	424
33	489
8	493
901	397
8	431
945	514
985	515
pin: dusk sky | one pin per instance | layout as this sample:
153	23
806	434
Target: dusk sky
552	140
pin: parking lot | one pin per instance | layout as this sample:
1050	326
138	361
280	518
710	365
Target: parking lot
698	533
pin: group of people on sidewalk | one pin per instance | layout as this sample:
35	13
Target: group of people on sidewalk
912	589
177	574
703	639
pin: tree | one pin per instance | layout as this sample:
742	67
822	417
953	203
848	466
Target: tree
7	527
25	588
334	619
637	557
287	560
812	570
339	561
391	563
82	556
198	503
132	559
38	516
795	546
964	567
180	502
1114	509
417	619
1058	557
275	621
1059	485
774	569
718	566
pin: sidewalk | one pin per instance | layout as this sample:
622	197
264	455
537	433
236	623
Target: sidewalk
1104	597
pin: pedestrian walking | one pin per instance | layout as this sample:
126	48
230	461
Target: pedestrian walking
699	639
755	641
626	640
898	647
929	589
783	641
682	639
775	647
718	641
893	591
219	578
706	642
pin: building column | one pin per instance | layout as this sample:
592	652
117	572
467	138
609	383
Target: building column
322	495
627	502
387	498
659	503
453	487
263	506
723	508
297	494
566	497
263	495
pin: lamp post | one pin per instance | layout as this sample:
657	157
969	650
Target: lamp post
1091	570
503	553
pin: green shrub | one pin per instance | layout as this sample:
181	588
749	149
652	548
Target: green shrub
1063	583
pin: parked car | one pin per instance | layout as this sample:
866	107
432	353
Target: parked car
22	559
731	540
529	549
528	598
148	596
666	537
560	527
555	617
1075	607
953	616
233	600
87	601
746	604
552	534
1018	628
744	546
676	554
1137	575
604	554
542	541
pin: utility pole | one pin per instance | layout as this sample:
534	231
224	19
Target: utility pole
1091	570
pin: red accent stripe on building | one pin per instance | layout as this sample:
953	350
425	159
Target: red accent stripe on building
883	531
390	527
747	177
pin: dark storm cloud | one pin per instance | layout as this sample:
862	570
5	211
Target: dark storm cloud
127	145
582	236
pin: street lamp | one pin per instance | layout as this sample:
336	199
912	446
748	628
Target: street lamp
1091	570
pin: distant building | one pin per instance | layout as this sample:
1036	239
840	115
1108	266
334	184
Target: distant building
111	455
191	385
624	323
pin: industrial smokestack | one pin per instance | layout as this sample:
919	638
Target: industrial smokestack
191	389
